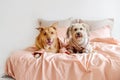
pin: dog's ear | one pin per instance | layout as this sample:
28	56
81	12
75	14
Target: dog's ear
54	25
40	28
87	28
39	22
69	31
78	21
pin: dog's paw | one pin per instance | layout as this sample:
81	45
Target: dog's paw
37	54
67	52
64	50
70	51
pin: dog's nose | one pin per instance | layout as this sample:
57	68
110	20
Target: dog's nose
78	34
49	39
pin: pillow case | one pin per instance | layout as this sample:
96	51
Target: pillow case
61	23
62	26
96	24
103	32
99	28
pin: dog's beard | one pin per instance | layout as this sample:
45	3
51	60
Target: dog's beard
80	38
82	42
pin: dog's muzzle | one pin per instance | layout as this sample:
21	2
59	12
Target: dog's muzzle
49	41
78	35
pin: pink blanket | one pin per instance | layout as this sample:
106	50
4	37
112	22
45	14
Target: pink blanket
102	64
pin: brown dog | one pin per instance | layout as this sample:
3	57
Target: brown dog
47	39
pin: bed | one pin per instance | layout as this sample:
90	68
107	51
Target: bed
103	63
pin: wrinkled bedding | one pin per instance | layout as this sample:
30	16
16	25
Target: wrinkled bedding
101	64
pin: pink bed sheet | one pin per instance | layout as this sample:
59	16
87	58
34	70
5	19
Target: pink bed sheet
102	64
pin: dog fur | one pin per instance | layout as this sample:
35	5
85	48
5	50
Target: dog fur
47	39
78	34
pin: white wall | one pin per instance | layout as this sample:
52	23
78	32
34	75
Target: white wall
18	19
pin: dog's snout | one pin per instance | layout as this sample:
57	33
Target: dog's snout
78	33
49	41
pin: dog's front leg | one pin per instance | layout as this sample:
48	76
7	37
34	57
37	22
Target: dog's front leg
38	53
85	51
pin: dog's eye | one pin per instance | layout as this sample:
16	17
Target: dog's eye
75	29
45	33
81	28
51	32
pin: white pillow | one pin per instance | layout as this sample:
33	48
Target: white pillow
96	24
61	23
62	26
98	28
